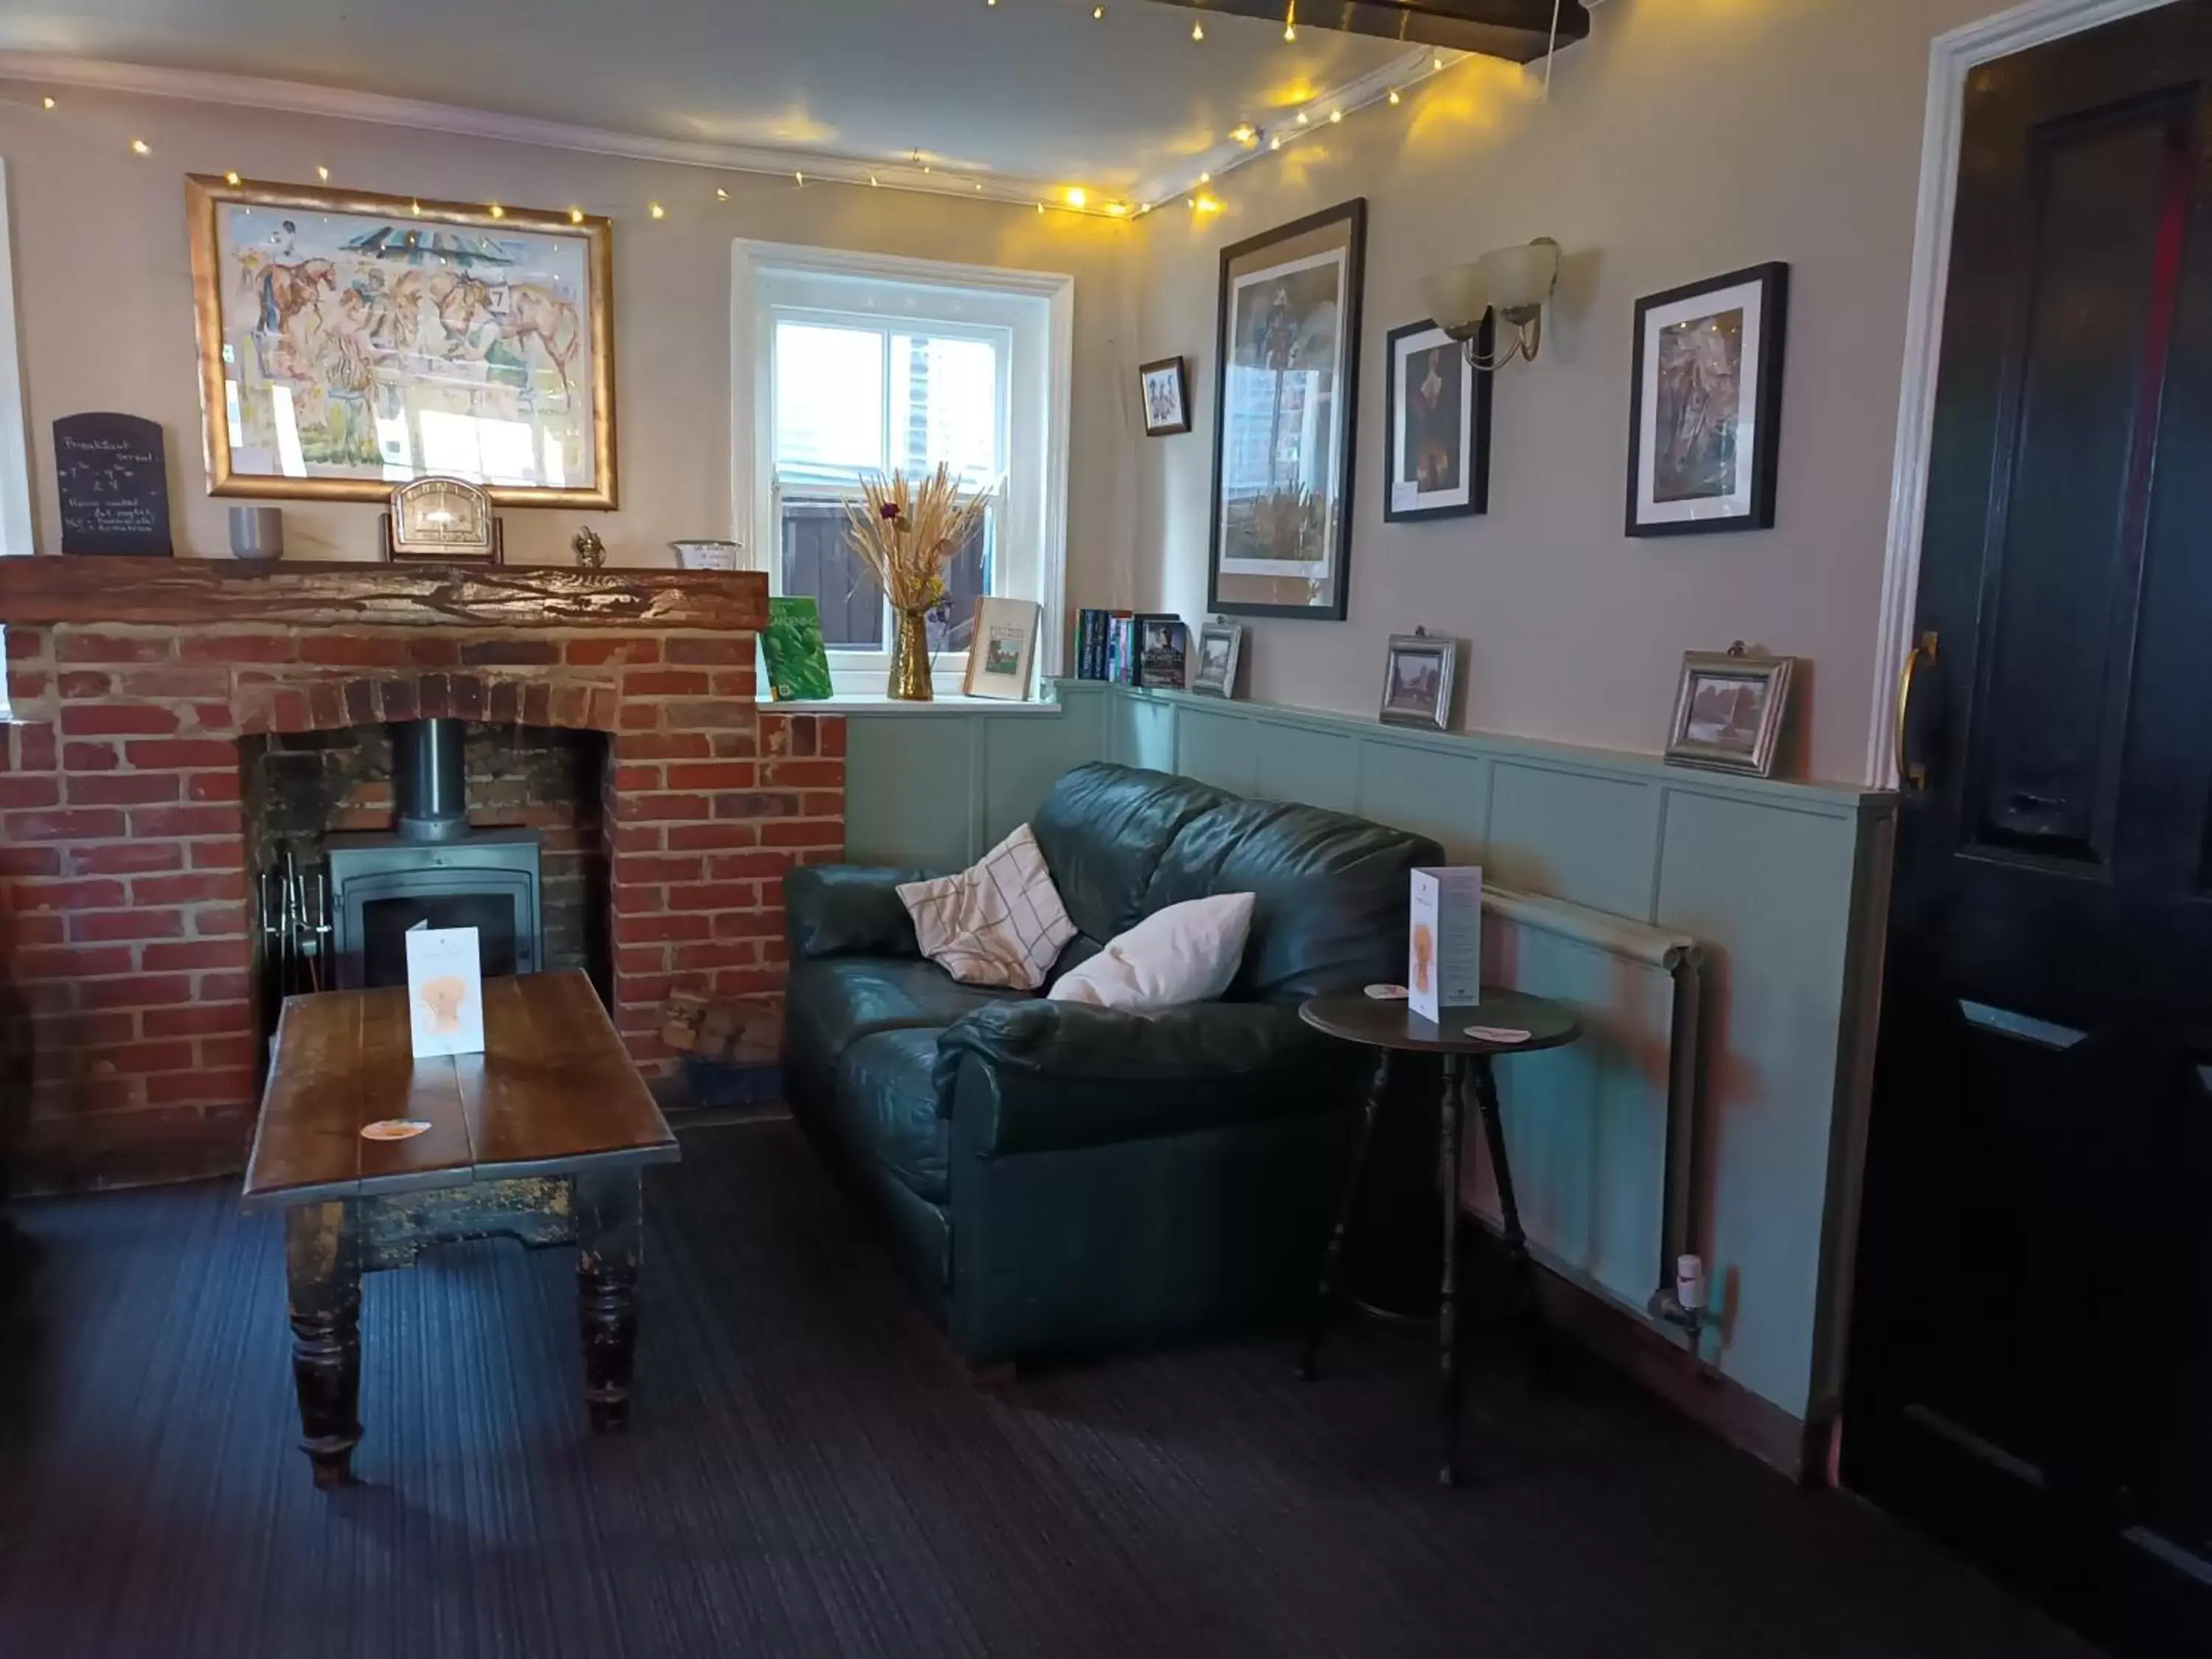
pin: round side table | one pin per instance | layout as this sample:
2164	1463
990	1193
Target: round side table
1392	1028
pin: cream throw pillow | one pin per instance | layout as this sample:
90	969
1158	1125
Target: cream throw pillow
1187	952
1000	923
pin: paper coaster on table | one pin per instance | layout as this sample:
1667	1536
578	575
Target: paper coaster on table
1497	1034
394	1129
1387	992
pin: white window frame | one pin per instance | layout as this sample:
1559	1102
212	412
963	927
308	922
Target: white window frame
16	526
772	279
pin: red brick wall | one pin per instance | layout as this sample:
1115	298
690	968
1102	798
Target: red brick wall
123	913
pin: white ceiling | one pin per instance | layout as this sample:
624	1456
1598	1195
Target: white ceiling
1029	93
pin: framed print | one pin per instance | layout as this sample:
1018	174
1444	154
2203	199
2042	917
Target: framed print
1001	648
1220	654
1165	386
1437	444
1705	407
1285	396
1729	711
1416	681
349	343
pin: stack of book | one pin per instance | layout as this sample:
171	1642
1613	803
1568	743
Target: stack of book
1119	647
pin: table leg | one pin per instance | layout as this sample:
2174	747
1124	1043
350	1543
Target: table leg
1332	1263
1449	1129
609	1217
1493	1129
322	1270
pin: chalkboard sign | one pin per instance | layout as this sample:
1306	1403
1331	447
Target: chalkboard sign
113	475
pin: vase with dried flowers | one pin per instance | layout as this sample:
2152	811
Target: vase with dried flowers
906	534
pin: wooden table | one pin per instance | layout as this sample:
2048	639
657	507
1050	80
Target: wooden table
1391	1027
540	1138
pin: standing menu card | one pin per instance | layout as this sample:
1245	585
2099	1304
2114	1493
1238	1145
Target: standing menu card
1443	966
444	991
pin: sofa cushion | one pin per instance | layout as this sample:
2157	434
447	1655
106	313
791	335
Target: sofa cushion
997	922
1103	829
885	1108
1330	893
1186	953
829	1005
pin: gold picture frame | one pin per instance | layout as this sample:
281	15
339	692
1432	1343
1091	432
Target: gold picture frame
334	337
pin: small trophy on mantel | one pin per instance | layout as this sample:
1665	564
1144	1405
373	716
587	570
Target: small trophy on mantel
449	519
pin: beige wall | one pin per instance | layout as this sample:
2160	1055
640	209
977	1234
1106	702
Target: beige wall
1685	139
105	303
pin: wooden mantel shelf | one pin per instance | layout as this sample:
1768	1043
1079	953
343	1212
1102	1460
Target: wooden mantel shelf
302	593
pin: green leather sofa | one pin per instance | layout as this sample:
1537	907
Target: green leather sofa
1054	1177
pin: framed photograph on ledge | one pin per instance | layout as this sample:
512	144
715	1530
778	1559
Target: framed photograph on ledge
1437	446
1220	654
1284	394
1416	681
1002	648
1729	711
349	342
1705	410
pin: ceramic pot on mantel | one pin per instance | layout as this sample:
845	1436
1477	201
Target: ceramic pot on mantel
910	678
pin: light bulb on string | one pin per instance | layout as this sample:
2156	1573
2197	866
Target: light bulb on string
497	211
48	101
575	215
722	195
140	147
1336	115
1394	96
655	208
1198	31
323	174
231	178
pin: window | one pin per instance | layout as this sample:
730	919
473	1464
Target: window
865	365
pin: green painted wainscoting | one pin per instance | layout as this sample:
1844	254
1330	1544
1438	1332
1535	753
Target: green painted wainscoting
1782	883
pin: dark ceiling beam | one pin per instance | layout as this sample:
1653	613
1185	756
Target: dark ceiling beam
1517	29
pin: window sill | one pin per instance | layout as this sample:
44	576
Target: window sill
871	704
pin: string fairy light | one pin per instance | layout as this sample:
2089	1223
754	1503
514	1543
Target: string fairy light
231	178
575	215
140	147
1198	31
48	101
654	208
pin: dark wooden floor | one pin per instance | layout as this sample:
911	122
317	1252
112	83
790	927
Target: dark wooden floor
810	1474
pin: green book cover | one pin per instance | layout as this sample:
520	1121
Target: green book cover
798	667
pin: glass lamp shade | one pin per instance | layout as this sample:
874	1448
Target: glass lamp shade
1457	300
1519	278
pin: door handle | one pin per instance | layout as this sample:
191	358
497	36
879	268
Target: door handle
1911	776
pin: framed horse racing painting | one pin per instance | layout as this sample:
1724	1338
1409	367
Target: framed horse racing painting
349	343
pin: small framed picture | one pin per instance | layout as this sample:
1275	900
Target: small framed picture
1166	388
1162	651
1729	711
1220	654
1002	649
1417	682
1706	410
1436	451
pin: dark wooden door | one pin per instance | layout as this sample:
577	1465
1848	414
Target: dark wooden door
2031	1369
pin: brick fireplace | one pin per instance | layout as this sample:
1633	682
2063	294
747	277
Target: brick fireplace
124	939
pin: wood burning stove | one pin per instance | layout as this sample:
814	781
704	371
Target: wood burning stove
432	867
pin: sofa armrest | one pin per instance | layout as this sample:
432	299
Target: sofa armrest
1053	1075
847	910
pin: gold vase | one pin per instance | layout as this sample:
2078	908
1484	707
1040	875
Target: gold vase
909	681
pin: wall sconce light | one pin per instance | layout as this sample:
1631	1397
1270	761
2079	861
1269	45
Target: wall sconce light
1515	281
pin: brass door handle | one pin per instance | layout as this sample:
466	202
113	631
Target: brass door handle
1911	776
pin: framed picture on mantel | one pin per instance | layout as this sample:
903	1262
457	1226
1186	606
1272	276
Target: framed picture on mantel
350	342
